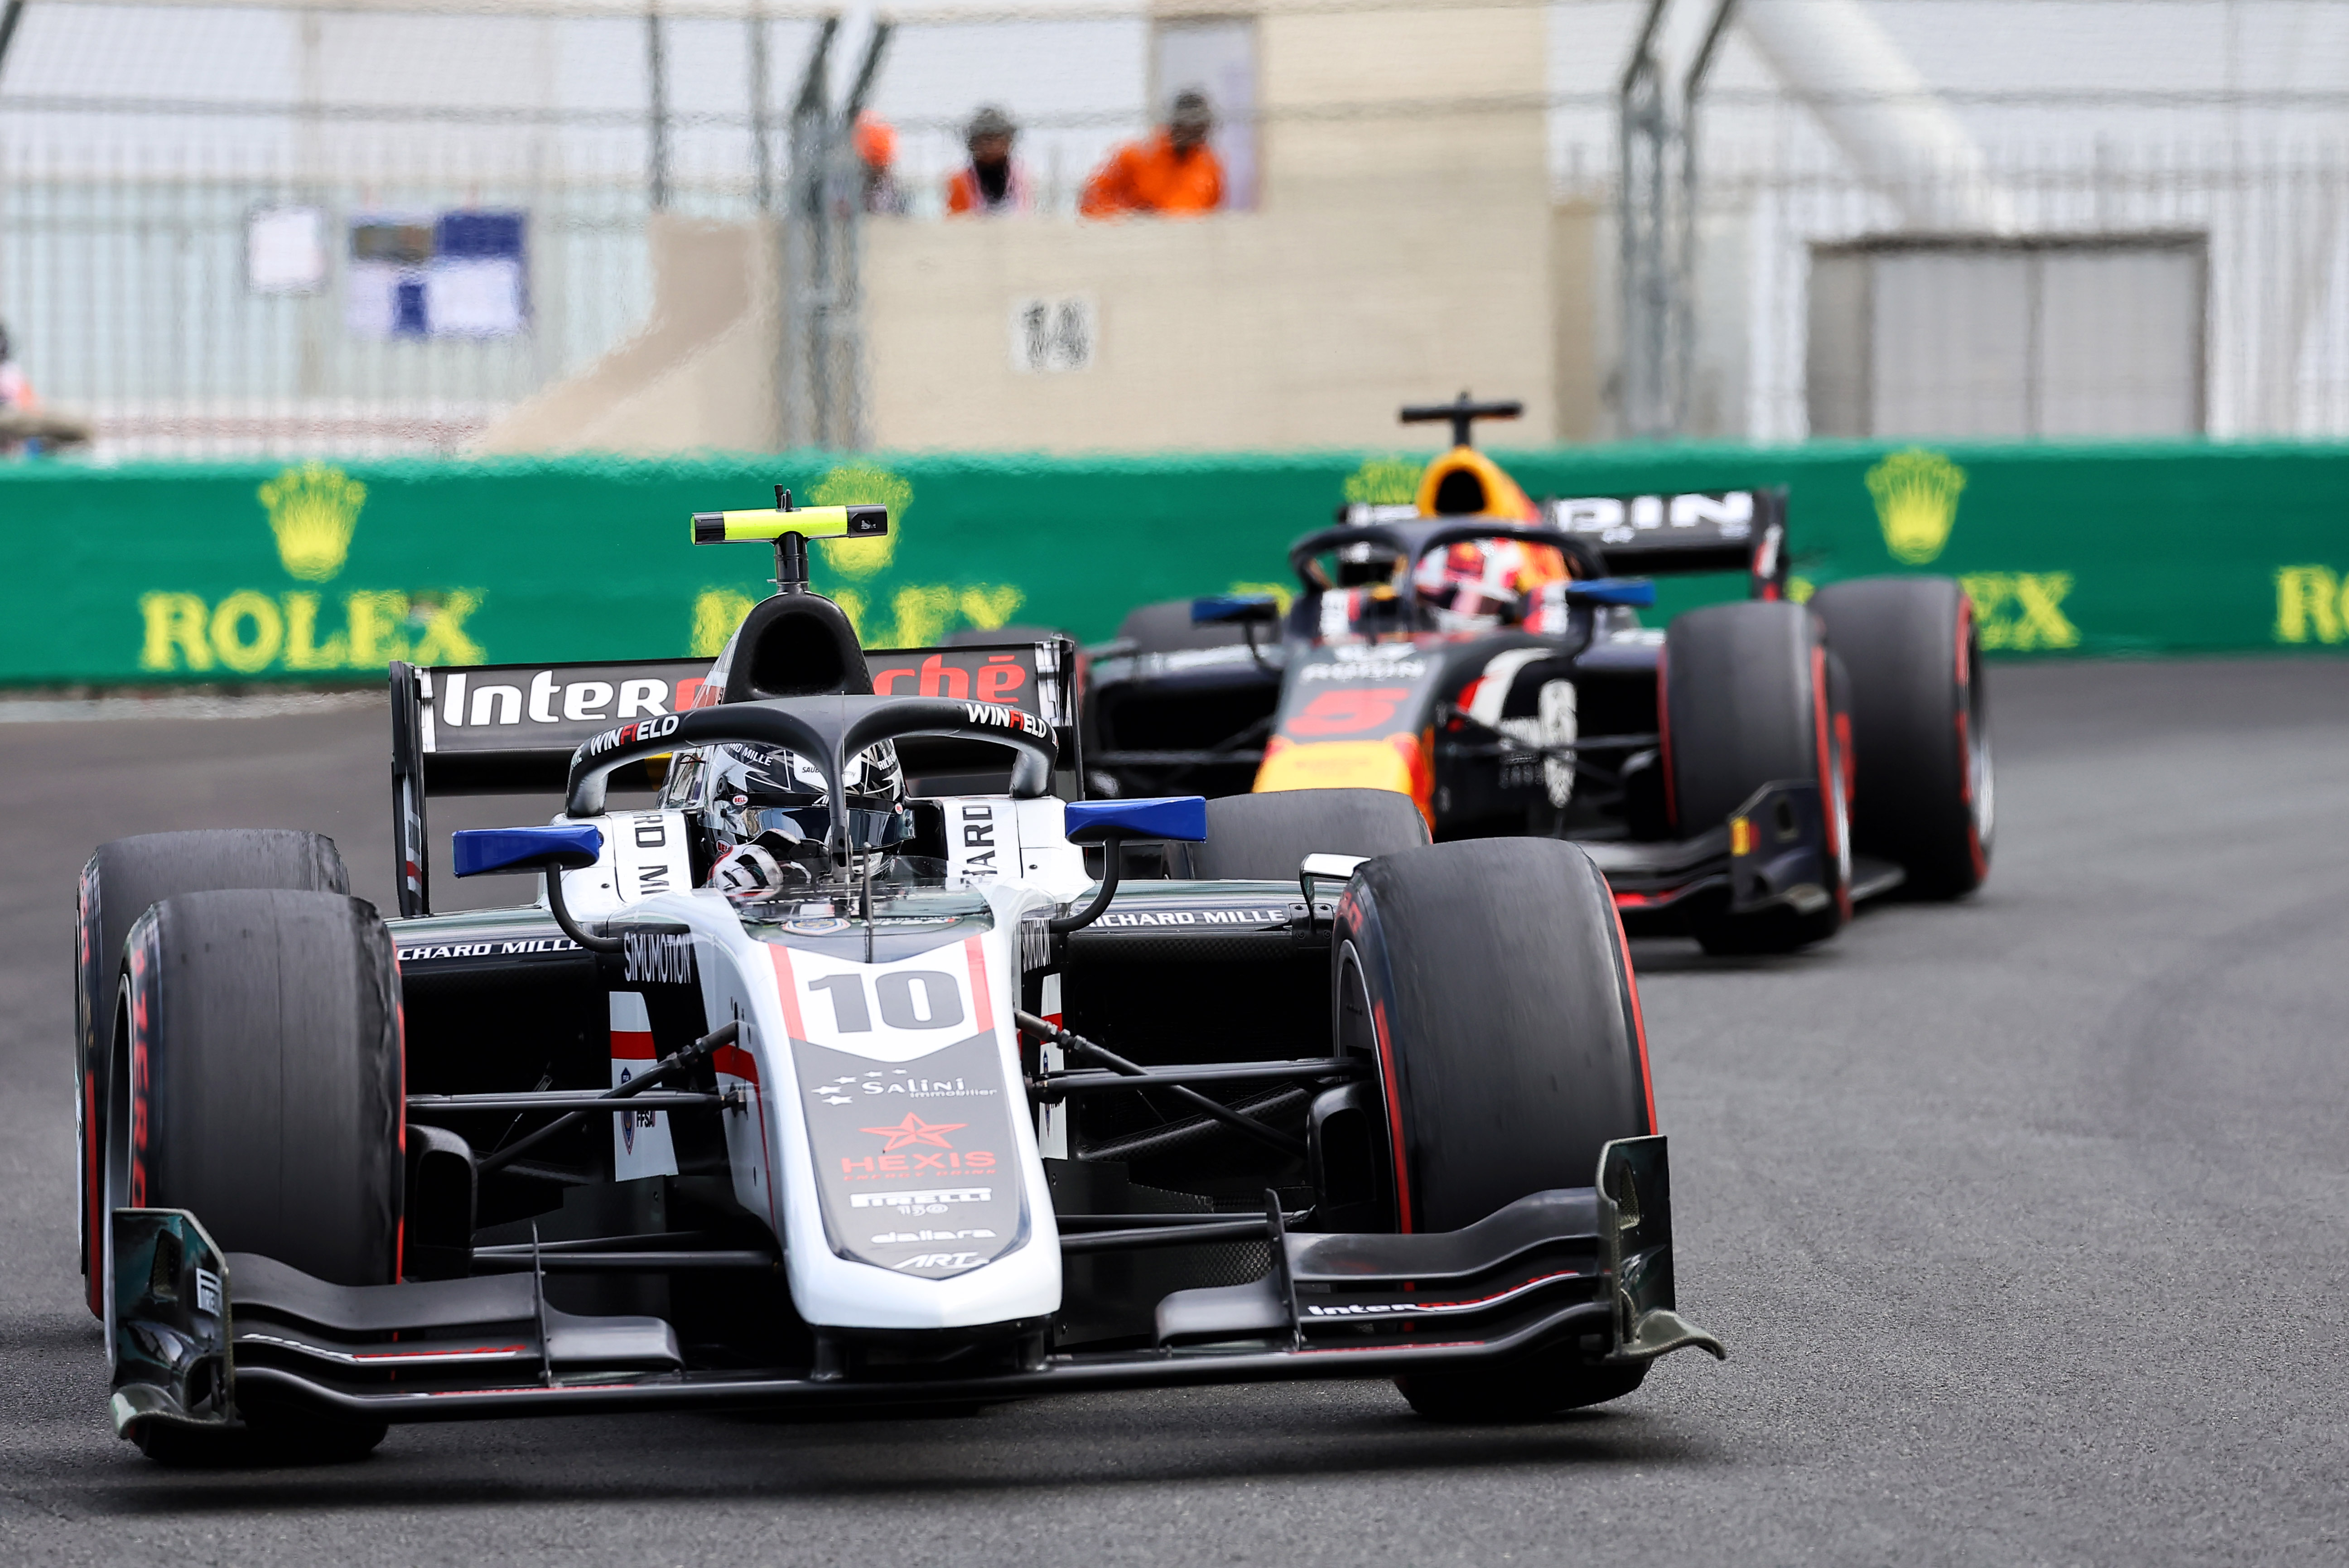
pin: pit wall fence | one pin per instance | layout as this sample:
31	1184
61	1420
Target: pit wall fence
320	573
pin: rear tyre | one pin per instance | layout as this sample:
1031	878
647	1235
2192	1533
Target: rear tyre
1922	788
1262	837
266	1028
122	880
1489	980
1748	701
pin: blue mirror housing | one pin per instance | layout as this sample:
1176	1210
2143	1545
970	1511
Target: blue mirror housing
1635	591
1226	608
480	850
1179	818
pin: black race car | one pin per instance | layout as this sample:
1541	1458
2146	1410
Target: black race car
1747	775
803	1086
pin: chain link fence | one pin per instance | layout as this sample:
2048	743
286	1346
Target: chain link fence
367	230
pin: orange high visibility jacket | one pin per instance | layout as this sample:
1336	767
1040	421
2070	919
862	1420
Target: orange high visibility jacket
1152	177
965	196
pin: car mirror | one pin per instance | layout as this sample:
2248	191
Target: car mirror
1180	819
561	847
1634	591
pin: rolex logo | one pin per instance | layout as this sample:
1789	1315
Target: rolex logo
1916	494
312	510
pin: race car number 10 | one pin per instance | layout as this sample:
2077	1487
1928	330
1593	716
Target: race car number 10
909	998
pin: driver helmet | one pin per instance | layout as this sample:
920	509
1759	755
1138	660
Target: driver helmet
1479	584
766	811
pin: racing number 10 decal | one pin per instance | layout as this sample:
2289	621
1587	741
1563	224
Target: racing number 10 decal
1348	710
909	999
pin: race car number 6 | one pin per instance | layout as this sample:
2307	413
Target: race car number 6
1344	712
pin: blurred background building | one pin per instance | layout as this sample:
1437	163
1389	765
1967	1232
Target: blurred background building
378	226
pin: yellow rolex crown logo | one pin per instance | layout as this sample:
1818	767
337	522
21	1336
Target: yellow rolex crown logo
312	510
1916	494
864	485
1383	482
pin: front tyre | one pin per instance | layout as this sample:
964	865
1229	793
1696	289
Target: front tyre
1922	793
1489	982
1749	700
257	1054
120	881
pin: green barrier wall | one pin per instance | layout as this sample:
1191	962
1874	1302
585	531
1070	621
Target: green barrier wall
319	572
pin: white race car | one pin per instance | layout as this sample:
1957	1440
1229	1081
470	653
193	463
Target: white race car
835	1077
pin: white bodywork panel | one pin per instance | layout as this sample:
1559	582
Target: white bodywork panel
943	1145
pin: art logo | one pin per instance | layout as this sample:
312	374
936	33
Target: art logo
312	510
1916	494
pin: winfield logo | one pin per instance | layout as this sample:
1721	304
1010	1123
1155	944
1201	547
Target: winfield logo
1003	718
629	734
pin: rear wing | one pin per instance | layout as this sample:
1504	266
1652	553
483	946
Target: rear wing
1696	531
510	729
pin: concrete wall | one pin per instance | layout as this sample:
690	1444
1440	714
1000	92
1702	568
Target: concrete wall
1395	257
702	374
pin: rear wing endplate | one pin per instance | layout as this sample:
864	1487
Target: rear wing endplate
1696	531
510	729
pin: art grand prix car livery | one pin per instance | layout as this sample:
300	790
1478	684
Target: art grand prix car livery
799	1084
1747	775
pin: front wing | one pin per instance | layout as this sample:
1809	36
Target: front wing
1586	1270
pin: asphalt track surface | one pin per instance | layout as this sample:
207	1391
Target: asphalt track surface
2022	1218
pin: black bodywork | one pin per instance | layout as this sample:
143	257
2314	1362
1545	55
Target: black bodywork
1205	717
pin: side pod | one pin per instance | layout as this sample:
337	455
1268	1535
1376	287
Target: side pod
168	1325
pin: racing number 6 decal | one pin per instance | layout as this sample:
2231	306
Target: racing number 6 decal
1348	710
910	998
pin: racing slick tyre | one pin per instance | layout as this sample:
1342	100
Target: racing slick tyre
122	880
1749	700
1921	789
1263	837
257	1084
1489	980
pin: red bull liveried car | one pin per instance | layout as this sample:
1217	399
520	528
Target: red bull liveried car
845	1070
1747	775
